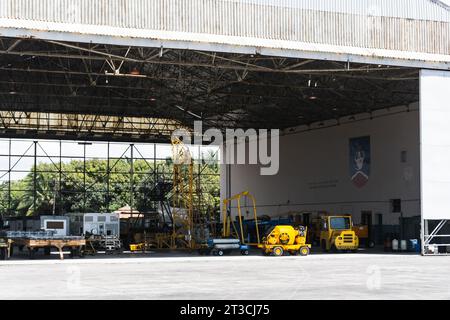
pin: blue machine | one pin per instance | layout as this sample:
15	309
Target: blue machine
224	246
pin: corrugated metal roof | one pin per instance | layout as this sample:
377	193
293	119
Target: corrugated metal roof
408	9
414	26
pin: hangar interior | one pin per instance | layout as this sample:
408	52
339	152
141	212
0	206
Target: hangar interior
344	81
77	91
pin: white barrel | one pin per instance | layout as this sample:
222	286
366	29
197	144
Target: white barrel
403	245
395	245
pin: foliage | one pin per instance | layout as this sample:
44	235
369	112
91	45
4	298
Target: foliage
47	190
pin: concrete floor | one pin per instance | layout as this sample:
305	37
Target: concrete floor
179	276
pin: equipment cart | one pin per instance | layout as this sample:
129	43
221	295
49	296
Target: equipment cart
220	247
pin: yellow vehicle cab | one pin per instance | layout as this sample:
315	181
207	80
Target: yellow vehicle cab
337	234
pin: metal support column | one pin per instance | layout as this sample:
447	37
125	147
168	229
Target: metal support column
60	179
131	178
84	144
9	179
34	178
108	174
84	177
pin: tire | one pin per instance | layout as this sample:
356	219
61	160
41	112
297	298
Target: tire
324	246
278	251
244	252
3	253
304	251
47	251
371	244
220	253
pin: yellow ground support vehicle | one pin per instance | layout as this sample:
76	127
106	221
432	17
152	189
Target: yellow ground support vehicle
281	239
337	233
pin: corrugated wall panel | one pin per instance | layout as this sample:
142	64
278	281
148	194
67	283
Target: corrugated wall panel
403	25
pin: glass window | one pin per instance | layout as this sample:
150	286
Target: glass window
340	223
55	225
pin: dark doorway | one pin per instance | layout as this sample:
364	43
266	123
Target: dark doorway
379	228
366	219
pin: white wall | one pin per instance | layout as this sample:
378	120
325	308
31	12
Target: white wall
314	170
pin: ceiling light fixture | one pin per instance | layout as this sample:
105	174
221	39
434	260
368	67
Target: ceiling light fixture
135	72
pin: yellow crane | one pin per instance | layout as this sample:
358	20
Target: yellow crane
183	193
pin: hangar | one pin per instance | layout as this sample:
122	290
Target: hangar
326	73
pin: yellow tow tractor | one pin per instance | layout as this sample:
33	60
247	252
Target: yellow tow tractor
337	234
281	239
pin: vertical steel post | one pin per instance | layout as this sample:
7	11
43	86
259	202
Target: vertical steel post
60	178
131	177
34	178
108	172
84	177
9	179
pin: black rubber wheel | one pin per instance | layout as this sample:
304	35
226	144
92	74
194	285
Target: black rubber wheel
244	252
3	253
220	253
324	246
278	251
304	251
334	249
74	252
31	253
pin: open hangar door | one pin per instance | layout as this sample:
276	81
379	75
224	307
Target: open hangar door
87	91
